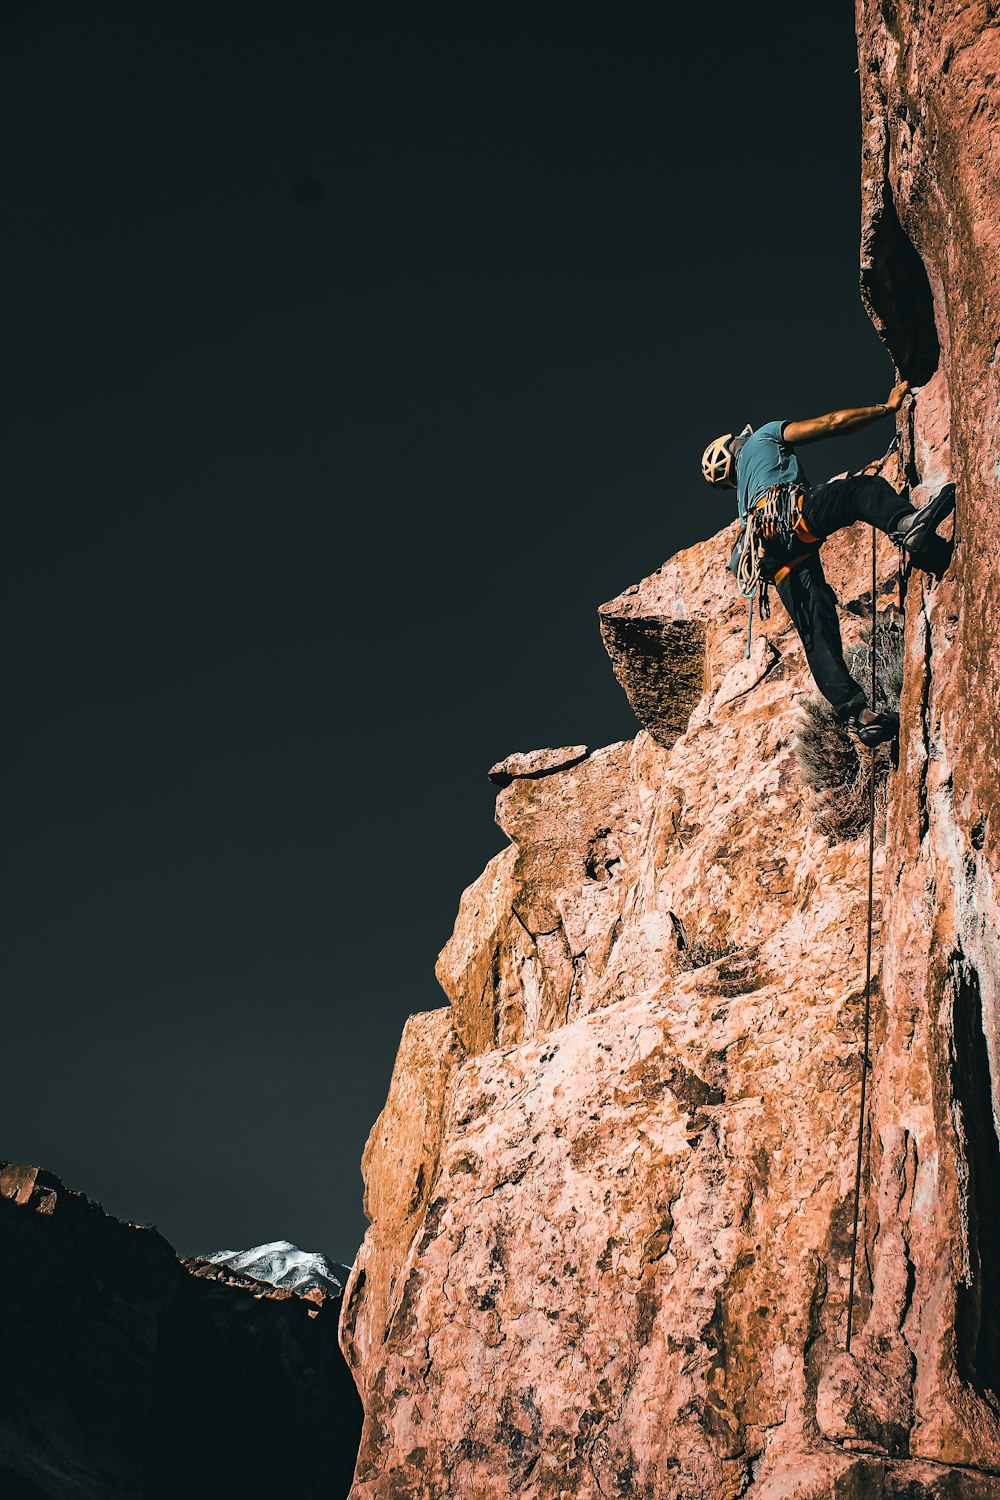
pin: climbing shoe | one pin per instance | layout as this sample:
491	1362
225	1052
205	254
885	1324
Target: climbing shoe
884	726
915	531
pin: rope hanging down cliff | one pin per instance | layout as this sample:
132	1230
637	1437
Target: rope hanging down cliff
865	1058
778	515
785	521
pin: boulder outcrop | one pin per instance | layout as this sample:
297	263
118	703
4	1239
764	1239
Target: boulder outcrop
611	1192
126	1372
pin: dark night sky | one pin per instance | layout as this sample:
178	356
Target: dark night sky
349	367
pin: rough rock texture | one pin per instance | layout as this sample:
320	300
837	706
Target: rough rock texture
612	1187
535	763
122	1374
930	1344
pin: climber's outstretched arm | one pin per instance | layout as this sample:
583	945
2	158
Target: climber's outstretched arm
836	423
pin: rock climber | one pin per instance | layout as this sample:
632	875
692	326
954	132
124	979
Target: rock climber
788	520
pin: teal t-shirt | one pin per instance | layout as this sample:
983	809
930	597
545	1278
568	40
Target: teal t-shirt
765	459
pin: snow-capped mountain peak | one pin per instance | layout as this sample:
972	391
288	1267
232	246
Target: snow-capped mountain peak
284	1265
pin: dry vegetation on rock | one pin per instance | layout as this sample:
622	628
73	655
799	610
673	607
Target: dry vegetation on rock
831	764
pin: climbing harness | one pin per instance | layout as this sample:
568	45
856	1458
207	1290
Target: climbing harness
866	1062
775	516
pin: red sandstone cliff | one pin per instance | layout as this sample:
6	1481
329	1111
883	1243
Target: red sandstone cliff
611	1188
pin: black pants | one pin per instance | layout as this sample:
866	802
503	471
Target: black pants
809	599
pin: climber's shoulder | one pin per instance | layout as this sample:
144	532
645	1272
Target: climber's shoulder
770	432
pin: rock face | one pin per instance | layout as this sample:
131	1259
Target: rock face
931	271
611	1192
125	1372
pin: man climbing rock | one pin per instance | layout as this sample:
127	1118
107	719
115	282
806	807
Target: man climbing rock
786	520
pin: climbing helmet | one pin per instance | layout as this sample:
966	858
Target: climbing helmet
717	463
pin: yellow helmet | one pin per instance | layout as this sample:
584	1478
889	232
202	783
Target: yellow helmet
718	463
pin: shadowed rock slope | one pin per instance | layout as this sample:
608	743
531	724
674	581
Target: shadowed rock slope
127	1373
611	1189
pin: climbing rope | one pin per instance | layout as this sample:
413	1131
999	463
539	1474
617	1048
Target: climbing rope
777	514
865	1059
748	576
